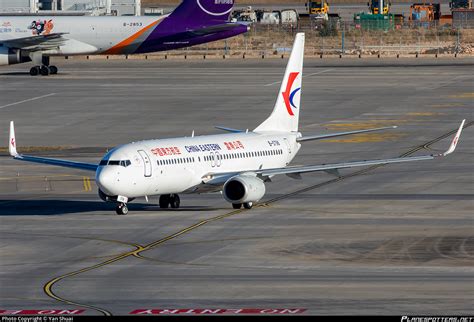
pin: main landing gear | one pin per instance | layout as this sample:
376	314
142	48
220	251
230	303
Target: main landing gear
121	209
247	205
43	70
171	200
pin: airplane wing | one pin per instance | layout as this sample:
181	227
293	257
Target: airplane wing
213	29
34	43
295	171
56	162
218	179
200	32
332	135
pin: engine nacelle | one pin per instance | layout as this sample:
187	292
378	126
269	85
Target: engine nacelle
10	56
244	188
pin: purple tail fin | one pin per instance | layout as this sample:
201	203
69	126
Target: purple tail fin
196	13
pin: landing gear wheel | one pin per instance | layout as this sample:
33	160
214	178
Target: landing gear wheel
53	70
34	71
121	209
236	205
44	70
164	201
248	205
175	201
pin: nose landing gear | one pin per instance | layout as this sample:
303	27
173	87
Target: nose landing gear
121	209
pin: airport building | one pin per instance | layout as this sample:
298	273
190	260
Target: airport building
93	7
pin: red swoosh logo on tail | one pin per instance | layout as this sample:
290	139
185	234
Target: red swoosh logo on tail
286	93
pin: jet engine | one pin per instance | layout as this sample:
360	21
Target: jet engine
10	56
243	188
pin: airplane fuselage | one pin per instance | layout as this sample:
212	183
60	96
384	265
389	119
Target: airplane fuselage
182	165
107	35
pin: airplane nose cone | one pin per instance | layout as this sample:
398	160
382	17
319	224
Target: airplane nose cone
106	180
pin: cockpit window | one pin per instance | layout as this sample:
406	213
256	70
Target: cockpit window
123	163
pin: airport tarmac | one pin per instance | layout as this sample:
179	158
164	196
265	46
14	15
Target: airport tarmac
395	239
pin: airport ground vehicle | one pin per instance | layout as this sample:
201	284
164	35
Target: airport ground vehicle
244	15
378	17
320	10
460	4
238	163
374	7
266	17
462	13
424	12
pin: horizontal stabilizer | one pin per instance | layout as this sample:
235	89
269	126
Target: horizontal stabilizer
228	129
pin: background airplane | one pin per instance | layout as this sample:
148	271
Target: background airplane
36	38
238	163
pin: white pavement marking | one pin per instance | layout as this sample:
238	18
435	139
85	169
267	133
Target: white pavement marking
28	100
317	73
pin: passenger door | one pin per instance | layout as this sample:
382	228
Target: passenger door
146	163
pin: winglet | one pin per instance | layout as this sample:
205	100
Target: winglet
452	147
12	141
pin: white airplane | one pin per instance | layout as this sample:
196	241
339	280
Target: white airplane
238	163
35	38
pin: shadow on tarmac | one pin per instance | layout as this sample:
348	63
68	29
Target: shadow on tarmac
53	207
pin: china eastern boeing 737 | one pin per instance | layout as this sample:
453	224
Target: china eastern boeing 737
36	38
238	163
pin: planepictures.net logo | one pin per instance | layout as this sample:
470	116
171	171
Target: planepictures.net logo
211	6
